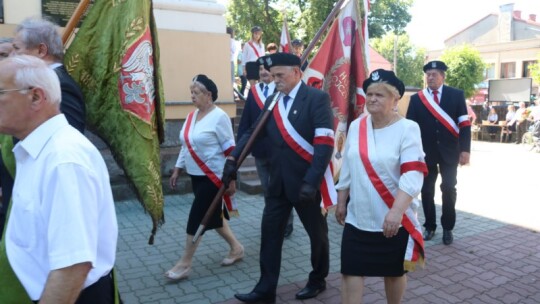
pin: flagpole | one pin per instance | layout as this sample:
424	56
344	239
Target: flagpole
323	28
74	20
217	199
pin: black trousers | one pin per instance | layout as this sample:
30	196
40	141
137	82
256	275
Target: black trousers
448	189
101	292
275	215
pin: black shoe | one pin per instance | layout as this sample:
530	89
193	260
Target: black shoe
309	292
288	231
255	297
429	234
447	237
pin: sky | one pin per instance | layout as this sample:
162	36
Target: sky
452	16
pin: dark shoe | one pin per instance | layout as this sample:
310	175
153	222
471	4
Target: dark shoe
255	297
447	237
429	234
288	231
309	292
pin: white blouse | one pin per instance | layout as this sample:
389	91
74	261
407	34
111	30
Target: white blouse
211	137
388	149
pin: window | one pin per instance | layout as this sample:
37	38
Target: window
489	72
526	66
508	70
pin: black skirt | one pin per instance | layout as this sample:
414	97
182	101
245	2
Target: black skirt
204	191
371	254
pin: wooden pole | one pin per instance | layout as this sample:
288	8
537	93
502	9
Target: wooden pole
323	28
247	148
74	20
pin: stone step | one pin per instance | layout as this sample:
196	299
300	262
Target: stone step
250	186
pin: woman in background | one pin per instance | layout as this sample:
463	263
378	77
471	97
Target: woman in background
207	138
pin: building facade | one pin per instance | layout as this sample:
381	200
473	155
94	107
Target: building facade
508	43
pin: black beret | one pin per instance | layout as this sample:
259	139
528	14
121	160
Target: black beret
388	77
435	64
256	29
281	59
208	84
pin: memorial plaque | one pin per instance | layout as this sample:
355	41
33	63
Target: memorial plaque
2	11
59	11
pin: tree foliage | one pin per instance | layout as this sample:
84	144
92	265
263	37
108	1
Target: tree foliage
535	70
388	16
410	59
465	68
305	17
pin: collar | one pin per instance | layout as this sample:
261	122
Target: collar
54	65
294	91
438	90
34	143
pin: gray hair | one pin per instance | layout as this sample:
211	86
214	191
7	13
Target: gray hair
32	72
34	31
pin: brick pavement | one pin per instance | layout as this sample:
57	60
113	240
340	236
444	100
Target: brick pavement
495	257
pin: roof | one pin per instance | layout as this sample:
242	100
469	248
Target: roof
377	61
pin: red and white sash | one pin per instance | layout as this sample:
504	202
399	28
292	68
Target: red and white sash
415	244
190	124
254	49
305	150
436	110
258	94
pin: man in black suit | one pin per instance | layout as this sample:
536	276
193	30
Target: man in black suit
301	136
441	113
40	38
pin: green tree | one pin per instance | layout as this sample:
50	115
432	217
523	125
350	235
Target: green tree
242	15
305	17
465	68
410	59
388	16
535	70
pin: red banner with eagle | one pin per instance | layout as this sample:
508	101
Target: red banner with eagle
339	68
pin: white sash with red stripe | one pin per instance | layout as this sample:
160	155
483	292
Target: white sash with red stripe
258	94
436	110
254	49
190	125
305	150
415	244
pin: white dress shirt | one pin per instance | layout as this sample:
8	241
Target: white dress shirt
63	210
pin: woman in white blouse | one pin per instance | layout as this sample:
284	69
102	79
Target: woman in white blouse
207	138
381	176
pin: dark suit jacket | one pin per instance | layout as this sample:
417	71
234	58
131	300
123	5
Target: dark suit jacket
439	144
310	110
72	104
261	148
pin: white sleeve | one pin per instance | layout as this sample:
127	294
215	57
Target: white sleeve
412	161
225	133
181	161
345	173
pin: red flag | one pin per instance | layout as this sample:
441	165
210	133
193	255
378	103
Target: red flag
285	40
340	68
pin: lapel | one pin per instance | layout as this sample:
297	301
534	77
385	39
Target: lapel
300	103
444	97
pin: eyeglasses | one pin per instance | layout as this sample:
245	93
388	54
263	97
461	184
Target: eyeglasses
2	92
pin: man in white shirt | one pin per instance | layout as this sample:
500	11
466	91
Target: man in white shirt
62	232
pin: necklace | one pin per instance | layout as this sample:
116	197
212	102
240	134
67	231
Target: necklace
390	121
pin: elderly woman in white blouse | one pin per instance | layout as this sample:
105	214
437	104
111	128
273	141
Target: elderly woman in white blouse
381	176
207	138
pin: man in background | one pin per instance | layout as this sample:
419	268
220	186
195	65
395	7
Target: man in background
441	113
